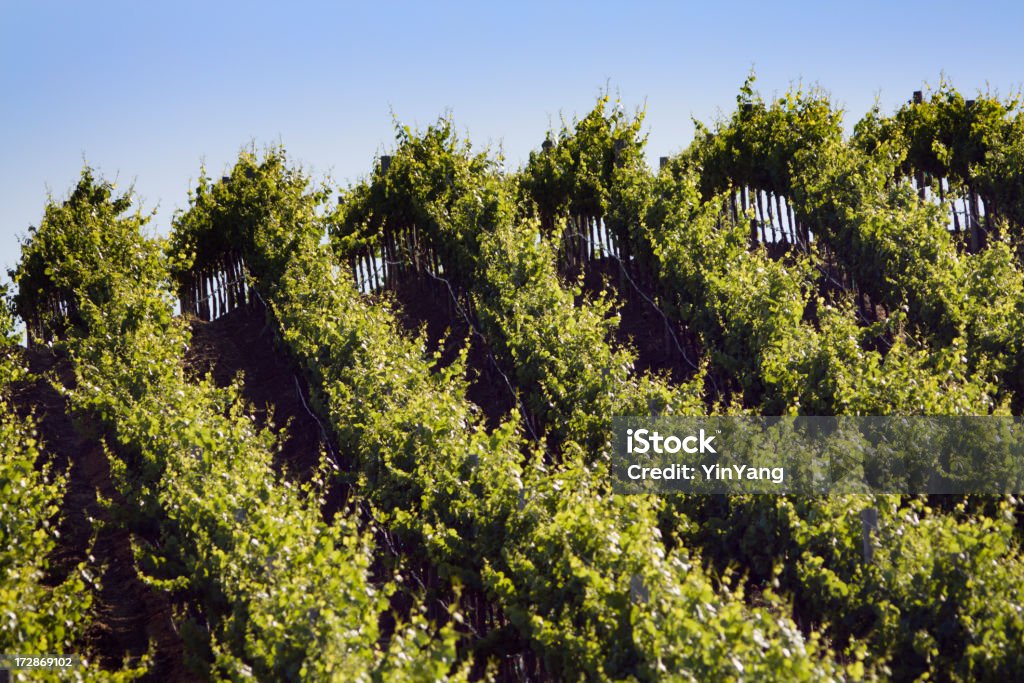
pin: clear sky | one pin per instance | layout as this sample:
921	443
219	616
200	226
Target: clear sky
146	92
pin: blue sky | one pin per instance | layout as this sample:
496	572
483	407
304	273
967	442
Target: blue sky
146	92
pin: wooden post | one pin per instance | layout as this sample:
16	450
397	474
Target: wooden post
918	98
869	524
989	225
222	283
760	215
214	308
956	217
243	273
207	304
204	297
214	293
236	264
218	287
227	267
780	214
243	286
211	277
199	294
582	231
388	248
618	147
975	222
230	281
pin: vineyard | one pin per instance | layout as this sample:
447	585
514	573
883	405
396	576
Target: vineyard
364	433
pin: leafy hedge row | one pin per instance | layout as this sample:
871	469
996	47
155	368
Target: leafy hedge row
37	616
893	245
975	144
572	379
751	311
273	591
789	351
768	334
546	560
578	574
